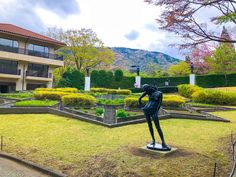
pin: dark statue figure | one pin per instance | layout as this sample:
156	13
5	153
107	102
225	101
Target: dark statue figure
138	70
151	111
87	71
191	67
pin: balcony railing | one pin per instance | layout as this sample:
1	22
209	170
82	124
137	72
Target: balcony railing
30	52
38	74
10	71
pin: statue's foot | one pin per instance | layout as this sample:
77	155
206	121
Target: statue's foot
166	147
153	142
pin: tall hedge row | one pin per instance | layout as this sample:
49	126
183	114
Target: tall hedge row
206	81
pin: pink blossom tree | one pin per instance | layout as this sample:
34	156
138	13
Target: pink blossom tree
198	56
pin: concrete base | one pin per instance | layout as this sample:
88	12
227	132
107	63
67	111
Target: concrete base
138	81
157	152
87	84
192	80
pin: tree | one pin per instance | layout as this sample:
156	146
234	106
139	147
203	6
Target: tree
118	75
153	69
181	17
85	49
72	78
223	61
180	69
198	56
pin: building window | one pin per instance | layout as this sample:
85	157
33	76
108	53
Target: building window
37	50
8	67
9	43
37	70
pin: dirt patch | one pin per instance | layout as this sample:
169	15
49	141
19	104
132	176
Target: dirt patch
179	153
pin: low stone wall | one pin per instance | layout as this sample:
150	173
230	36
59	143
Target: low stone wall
24	110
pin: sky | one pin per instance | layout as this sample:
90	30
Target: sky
118	23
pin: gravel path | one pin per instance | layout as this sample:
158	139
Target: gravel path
10	168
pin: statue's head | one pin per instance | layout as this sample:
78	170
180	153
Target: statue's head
148	88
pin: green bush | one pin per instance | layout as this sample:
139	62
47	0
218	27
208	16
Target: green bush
132	102
111	91
49	95
19	95
72	78
168	101
173	102
78	100
214	97
120	113
187	90
66	89
101	78
110	102
118	75
99	111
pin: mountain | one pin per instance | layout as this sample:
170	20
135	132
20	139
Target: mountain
126	57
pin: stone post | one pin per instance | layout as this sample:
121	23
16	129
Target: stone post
138	81
109	114
192	79
87	83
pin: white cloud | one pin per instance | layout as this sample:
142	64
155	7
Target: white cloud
112	20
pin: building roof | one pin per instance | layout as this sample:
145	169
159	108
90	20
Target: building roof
27	34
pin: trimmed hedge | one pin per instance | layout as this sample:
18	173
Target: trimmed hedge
201	95
78	100
111	91
206	81
168	101
66	89
167	89
187	90
214	97
49	95
215	80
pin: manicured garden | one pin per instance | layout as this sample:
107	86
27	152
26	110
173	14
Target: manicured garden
83	149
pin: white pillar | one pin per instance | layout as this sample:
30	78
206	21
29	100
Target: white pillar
192	79
87	84
138	81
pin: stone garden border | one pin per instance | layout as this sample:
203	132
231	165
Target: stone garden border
74	114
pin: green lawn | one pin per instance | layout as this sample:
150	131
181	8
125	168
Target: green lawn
83	149
35	103
20	95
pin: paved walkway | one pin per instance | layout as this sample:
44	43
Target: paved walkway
10	168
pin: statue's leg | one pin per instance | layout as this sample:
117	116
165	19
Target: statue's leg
149	121
158	127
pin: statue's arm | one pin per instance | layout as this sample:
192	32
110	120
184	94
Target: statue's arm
159	101
140	99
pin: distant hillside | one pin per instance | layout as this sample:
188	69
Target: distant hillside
126	57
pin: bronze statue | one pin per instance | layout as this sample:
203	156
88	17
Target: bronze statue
151	111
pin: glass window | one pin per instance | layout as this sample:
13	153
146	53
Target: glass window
8	67
37	50
8	42
30	47
37	70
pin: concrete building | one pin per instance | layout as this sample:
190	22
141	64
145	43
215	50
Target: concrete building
27	59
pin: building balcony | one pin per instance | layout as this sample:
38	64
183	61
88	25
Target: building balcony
30	52
38	76
10	73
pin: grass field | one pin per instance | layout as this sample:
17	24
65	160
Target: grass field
83	149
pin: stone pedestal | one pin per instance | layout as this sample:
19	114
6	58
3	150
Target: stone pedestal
138	81
192	79
157	149
87	84
109	114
